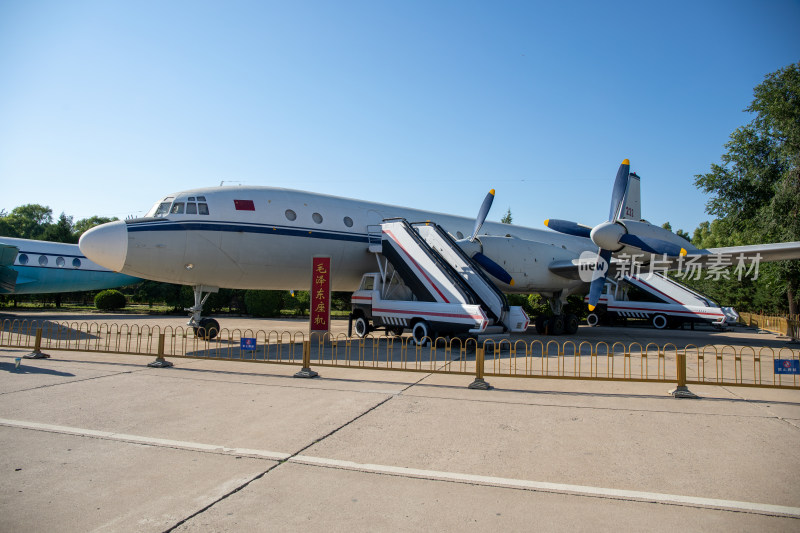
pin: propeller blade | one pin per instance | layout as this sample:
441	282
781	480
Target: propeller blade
618	193
493	268
653	246
482	212
599	277
568	227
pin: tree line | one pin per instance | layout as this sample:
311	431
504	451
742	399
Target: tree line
754	193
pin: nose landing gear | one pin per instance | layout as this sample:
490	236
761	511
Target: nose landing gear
204	328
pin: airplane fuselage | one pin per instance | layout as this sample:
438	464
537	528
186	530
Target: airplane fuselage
51	267
265	237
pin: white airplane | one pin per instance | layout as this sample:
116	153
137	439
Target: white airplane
37	267
265	238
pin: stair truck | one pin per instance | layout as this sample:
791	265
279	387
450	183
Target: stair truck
662	301
429	285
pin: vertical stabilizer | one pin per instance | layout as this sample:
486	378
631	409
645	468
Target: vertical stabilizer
632	204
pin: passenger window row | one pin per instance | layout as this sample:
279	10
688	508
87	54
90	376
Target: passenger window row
23	259
316	217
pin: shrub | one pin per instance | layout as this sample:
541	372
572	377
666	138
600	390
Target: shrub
109	300
263	303
298	304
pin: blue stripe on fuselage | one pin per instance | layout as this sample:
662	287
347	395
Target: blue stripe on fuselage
233	227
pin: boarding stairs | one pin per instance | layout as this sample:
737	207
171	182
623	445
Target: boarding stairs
435	269
669	290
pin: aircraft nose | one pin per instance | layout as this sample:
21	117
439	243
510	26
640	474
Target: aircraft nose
106	245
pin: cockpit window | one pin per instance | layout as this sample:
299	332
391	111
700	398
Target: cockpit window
161	209
195	205
199	208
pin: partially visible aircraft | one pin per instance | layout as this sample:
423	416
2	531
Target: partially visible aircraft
37	267
265	237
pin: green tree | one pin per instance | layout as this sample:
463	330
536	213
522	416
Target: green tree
264	303
680	233
507	217
755	191
28	221
85	224
61	231
6	229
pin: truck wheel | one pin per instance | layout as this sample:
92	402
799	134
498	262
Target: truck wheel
571	324
592	319
659	321
360	327
421	333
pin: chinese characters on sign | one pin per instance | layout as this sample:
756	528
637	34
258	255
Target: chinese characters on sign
787	366
321	294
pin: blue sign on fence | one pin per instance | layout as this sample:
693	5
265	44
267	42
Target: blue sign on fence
787	366
248	344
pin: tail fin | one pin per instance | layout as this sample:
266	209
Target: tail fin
632	204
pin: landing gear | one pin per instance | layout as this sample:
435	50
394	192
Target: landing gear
204	328
207	329
559	323
571	324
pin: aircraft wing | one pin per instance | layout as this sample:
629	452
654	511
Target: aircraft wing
8	276
763	252
717	257
566	268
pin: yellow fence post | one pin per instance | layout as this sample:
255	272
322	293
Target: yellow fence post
479	383
37	347
681	391
160	362
306	371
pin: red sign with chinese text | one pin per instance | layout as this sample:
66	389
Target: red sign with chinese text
321	294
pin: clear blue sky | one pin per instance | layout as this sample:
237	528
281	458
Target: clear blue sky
107	106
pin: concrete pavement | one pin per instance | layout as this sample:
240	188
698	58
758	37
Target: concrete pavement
100	442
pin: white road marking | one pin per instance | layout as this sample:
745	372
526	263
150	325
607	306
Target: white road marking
277	456
585	490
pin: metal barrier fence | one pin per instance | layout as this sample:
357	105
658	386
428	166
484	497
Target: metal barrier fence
788	326
689	365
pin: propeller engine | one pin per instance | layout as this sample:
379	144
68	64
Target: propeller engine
617	233
474	248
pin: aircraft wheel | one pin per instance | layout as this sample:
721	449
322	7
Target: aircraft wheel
593	319
207	330
571	324
556	325
421	333
660	321
360	327
541	325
